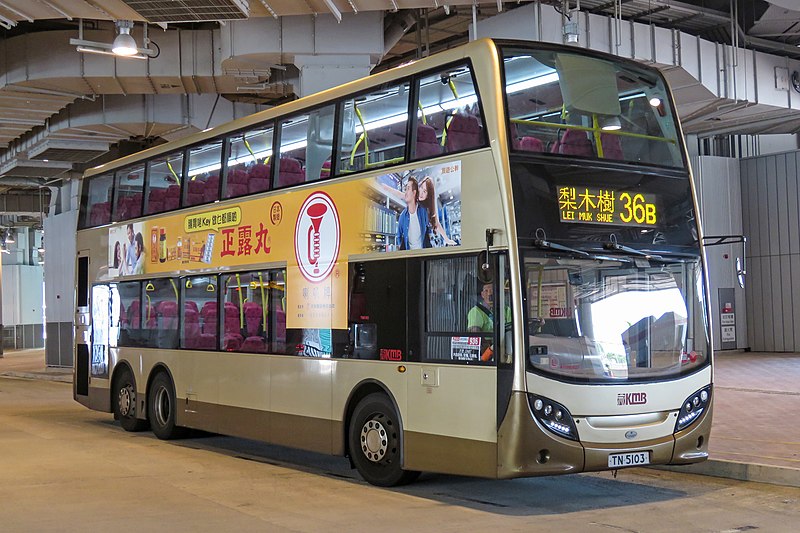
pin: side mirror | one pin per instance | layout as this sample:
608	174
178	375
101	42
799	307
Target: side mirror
740	272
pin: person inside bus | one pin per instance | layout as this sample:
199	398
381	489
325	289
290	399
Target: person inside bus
480	319
437	216
138	266
412	225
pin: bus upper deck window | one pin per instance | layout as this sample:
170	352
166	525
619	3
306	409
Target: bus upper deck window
374	129
249	165
306	147
202	185
96	204
449	116
164	179
128	193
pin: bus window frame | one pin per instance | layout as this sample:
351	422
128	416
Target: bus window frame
340	103
148	163
182	312
425	333
335	171
84	213
545	47
412	123
187	150
278	138
115	190
226	148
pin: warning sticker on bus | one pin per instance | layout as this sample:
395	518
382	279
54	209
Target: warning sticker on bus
465	348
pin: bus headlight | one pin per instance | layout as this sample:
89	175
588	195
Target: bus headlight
693	406
553	416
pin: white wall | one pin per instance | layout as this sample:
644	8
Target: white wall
771	222
720	198
22	294
60	265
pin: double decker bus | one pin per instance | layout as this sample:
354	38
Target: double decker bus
486	262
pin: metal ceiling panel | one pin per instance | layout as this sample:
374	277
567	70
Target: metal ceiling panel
190	10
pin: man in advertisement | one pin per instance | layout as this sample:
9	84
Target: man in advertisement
413	225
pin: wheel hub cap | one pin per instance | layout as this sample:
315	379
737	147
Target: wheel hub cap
374	441
162	407
126	401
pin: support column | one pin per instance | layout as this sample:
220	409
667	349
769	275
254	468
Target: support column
59	273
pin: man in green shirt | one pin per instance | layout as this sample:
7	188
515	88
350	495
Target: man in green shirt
481	317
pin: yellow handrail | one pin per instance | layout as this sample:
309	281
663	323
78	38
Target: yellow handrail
620	133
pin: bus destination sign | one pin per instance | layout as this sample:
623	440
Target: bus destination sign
589	205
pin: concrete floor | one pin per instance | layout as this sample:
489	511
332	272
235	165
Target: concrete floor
65	468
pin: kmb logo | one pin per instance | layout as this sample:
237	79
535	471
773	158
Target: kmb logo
632	398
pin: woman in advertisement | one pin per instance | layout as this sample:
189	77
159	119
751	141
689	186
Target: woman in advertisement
412	225
138	268
438	226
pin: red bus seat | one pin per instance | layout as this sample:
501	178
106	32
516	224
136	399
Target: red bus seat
427	143
464	132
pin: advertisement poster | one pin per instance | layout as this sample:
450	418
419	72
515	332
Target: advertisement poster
313	231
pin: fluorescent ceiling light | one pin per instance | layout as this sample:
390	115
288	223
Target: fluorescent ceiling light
532	82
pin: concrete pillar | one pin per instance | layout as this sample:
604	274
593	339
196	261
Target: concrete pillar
59	275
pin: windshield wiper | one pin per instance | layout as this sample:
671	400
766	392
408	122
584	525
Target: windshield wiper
550	245
615	246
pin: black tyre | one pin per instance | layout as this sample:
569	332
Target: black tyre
161	406
375	444
124	400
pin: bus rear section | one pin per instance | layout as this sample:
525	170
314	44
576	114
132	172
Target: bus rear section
616	363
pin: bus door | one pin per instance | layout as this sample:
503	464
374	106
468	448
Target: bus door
82	325
452	401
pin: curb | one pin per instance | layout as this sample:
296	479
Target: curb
758	473
62	378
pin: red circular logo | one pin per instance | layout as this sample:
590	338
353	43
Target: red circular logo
317	237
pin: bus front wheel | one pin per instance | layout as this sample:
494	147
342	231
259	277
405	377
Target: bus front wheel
161	406
375	444
124	398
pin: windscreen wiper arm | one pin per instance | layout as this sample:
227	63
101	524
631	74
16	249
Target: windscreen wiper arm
550	245
615	246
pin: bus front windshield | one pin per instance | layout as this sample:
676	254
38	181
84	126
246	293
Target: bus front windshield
577	105
607	320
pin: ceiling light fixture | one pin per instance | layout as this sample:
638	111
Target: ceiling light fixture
124	43
9	236
610	123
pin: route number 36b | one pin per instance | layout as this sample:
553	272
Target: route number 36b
635	209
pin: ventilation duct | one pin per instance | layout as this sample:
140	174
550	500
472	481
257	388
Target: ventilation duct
190	10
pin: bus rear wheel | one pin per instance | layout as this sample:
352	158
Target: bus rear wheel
161	408
375	444
124	398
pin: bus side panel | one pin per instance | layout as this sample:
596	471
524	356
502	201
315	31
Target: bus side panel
244	388
300	401
451	425
196	385
348	374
